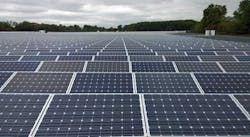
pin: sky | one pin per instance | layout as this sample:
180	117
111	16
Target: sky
106	12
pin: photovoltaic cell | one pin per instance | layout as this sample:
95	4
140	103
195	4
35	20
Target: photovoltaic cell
236	66
92	116
152	67
146	58
244	101
18	113
224	83
39	58
75	58
102	83
165	83
195	115
111	58
198	67
39	83
217	58
107	67
243	58
9	58
18	66
4	77
181	58
62	66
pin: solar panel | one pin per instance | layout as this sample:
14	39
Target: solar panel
165	83
102	83
200	53
236	66
18	113
195	115
39	83
107	67
224	83
62	66
75	58
39	58
152	67
244	101
4	77
93	116
181	58
198	67
243	58
111	58
9	58
217	58
18	66
230	53
146	58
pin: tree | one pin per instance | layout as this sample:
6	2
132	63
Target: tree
213	16
120	28
242	16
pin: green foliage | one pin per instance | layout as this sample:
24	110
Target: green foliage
213	16
242	16
5	26
161	26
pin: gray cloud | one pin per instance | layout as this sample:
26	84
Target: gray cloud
106	12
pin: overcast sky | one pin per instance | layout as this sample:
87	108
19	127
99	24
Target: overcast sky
105	12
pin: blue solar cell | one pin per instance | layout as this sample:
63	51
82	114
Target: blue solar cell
165	83
111	58
39	83
224	83
195	115
4	77
18	66
9	58
181	58
152	67
236	66
243	58
92	116
18	113
62	66
198	67
146	58
217	58
39	58
75	58
107	67
200	53
102	83
244	101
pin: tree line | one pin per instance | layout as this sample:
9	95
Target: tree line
214	17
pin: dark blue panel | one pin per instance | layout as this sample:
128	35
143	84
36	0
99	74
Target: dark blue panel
62	66
9	58
152	67
39	58
236	66
18	66
18	114
195	115
165	83
93	116
224	83
39	83
111	58
102	83
79	58
198	67
107	67
4	77
146	58
244	101
181	58
243	58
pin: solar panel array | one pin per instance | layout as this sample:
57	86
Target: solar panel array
123	84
